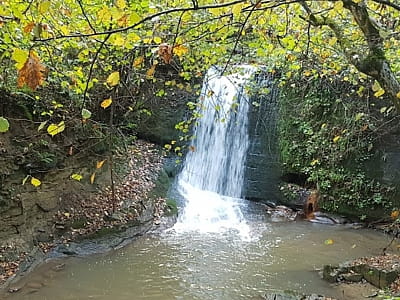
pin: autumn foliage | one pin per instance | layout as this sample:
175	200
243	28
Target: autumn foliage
32	73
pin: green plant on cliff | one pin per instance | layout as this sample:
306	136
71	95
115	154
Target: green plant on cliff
327	133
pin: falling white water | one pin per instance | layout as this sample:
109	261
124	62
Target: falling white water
212	177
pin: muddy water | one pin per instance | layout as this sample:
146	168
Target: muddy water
190	265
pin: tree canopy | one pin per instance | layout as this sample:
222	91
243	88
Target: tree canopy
81	45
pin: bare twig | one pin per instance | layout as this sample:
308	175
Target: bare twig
86	16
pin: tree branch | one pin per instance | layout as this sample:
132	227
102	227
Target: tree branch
86	16
388	3
145	19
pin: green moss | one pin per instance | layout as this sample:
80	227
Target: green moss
171	208
324	133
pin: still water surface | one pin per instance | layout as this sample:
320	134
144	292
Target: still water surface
192	265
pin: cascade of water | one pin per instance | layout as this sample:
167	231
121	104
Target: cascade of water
213	173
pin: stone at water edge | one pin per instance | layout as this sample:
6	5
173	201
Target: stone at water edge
294	296
330	273
346	272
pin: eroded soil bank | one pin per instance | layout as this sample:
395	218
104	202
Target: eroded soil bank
70	217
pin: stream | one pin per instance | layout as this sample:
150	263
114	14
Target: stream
222	247
195	265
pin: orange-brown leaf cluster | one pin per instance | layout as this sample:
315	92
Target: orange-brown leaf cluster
32	73
29	27
165	51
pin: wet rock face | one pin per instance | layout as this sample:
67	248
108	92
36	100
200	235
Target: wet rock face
262	173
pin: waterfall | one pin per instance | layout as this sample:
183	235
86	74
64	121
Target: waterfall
212	177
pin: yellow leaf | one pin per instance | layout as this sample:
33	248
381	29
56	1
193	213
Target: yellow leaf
106	103
314	162
323	125
180	50
77	177
118	41
157	40
147	40
113	79
328	242
150	72
20	56
138	61
379	93
394	214
44	7
67	214
99	164
121	4
133	37
104	15
336	139
338	5
54	129
332	41
398	95
134	18
35	182
92	178
215	11
237	9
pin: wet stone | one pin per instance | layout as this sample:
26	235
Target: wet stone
330	273
352	277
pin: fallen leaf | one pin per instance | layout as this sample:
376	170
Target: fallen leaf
150	72
54	129
92	178
99	164
106	103
35	182
4	125
77	177
138	61
328	242
113	79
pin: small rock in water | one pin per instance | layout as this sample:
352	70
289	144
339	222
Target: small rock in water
281	213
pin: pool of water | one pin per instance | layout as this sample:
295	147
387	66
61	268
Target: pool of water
194	265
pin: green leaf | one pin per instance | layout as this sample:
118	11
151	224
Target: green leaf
359	116
41	126
86	114
4	125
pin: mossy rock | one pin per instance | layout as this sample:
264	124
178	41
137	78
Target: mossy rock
171	208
